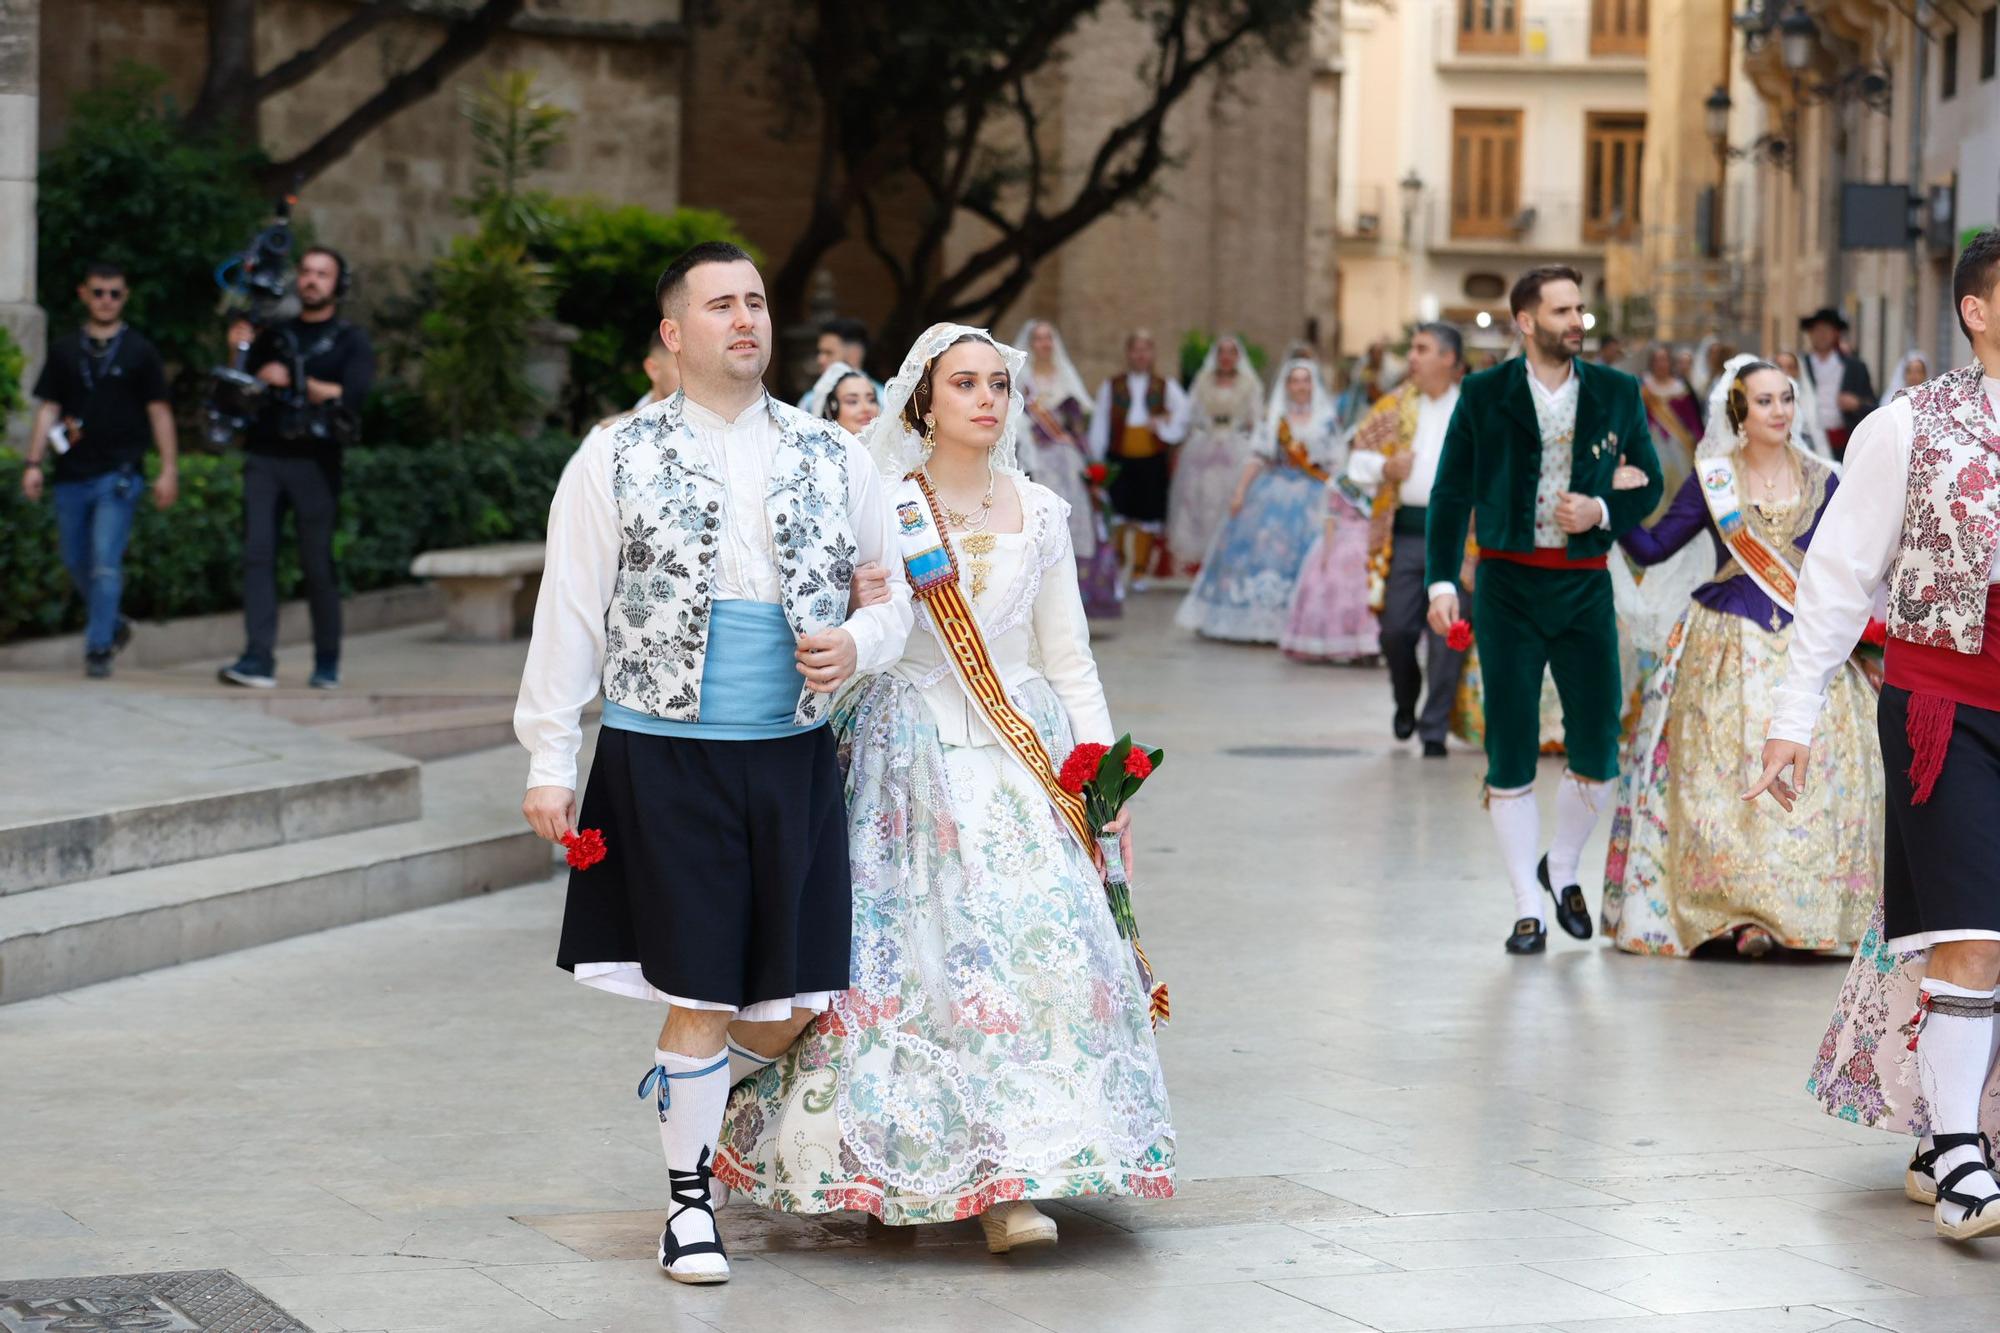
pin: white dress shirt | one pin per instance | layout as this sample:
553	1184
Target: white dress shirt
1826	376
1426	447
565	666
1170	431
1858	539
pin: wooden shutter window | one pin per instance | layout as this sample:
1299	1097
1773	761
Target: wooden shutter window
1618	27
1614	145
1485	172
1489	27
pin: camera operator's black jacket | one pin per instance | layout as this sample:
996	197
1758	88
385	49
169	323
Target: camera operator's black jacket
335	351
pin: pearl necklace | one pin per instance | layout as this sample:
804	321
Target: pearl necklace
967	522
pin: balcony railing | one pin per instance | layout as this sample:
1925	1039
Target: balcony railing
1572	37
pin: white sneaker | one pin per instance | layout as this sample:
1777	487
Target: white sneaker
1011	1225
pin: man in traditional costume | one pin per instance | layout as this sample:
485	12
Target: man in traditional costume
1140	417
700	553
1534	451
1396	452
1919	509
1842	390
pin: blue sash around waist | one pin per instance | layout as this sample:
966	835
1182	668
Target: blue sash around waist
749	684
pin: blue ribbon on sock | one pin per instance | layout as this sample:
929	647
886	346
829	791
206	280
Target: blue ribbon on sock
655	1083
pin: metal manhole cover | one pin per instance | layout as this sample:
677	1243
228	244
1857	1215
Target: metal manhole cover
1292	752
207	1300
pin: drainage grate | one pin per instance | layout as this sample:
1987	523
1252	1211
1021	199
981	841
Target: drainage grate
207	1300
1292	752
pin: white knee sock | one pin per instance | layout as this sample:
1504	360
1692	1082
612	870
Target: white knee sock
1954	1050
1517	822
744	1062
1578	803
690	1125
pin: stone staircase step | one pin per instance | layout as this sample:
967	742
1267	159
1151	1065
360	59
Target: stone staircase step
437	734
118	782
469	840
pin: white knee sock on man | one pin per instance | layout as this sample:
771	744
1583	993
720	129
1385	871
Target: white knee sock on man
691	1125
744	1062
1578	803
1517	823
1954	1052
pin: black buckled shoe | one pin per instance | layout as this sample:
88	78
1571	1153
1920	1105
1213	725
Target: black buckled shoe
1530	936
699	1261
1406	723
1572	912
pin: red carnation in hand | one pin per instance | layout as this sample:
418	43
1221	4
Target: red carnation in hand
1081	767
1096	473
586	848
1876	634
1138	765
1459	637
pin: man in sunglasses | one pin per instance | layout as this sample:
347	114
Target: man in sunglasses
103	396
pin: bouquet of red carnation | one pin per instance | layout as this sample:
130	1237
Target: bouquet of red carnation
1869	653
1459	637
1106	777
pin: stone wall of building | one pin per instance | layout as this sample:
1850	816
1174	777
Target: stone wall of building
20	28
389	204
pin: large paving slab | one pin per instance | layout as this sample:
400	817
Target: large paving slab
104	781
420	1123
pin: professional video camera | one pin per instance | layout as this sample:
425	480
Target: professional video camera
257	288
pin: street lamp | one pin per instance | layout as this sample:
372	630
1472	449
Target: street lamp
1796	35
1412	187
1717	109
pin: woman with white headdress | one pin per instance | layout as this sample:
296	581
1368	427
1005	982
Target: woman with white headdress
1690	862
1226	401
1911	371
846	397
1244	591
995	1046
1055	451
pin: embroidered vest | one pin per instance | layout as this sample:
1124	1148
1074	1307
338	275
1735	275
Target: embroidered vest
671	509
1951	521
1121	405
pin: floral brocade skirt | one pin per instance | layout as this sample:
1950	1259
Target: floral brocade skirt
1244	592
1330	620
995	1043
1205	477
1690	861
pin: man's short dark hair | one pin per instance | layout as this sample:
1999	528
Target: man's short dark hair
1448	338
104	268
673	281
1527	293
847	330
1977	270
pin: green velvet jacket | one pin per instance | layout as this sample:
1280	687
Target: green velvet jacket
1492	463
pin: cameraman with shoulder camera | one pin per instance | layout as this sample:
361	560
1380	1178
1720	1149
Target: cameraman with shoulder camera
319	368
104	398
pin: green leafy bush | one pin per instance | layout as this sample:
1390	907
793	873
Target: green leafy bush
396	504
603	260
473	359
1194	350
127	184
13	364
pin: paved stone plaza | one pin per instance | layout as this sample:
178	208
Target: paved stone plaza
418	1123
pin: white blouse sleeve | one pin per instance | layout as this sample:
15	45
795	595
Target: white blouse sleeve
1100	423
881	632
1851	552
1180	408
1063	634
566	655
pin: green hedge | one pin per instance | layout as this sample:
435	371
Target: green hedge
395	504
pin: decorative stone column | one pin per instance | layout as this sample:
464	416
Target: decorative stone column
20	82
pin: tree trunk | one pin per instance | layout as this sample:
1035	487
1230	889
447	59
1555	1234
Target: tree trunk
227	100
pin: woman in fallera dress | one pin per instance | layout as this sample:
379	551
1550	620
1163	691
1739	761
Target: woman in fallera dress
1690	862
995	1046
1227	403
1330	619
1055	452
1244	591
1673	417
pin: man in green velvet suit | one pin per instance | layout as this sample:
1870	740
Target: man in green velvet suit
1550	456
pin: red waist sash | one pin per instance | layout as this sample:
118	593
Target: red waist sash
1939	680
1545	557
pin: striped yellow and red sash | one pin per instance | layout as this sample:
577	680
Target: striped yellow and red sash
1768	569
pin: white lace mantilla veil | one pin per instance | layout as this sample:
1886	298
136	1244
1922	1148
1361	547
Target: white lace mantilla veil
898	450
822	388
1244	370
1648	611
1068	384
1279	405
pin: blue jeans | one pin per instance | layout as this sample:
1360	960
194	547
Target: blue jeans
94	521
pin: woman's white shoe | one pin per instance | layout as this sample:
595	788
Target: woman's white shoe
1011	1225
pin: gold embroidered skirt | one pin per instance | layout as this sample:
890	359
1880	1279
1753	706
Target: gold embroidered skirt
1690	861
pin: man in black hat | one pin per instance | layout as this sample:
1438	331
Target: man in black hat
1840	382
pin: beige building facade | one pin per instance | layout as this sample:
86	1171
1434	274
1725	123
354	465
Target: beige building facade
1478	138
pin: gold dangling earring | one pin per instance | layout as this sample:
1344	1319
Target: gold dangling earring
930	436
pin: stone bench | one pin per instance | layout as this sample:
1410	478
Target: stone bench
489	590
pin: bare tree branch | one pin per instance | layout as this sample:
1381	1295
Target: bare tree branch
309	61
463	40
